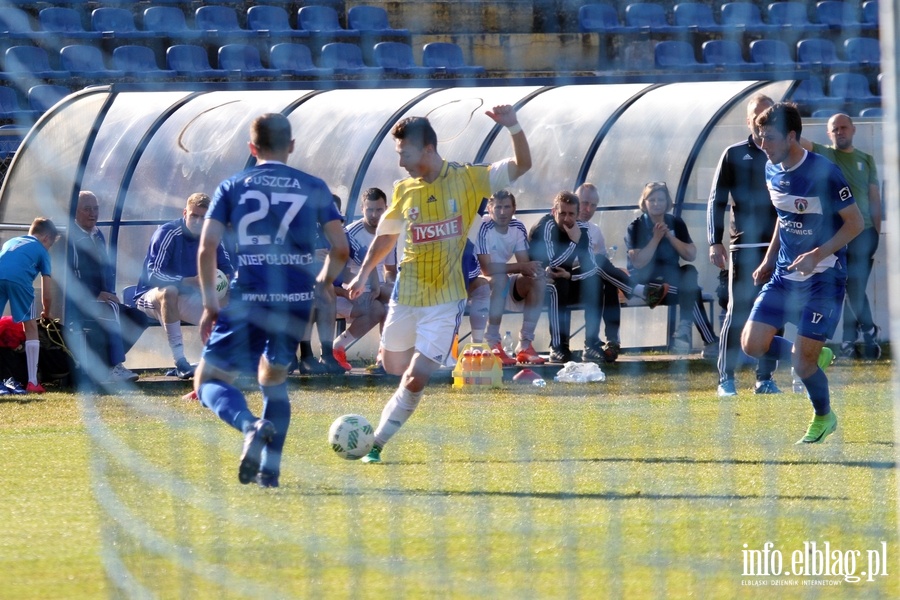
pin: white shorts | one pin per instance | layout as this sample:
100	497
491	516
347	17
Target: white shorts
343	307
428	329
513	305
190	306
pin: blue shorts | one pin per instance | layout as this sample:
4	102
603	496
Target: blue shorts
20	298
246	330
814	305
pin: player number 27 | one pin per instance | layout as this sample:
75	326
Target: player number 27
296	202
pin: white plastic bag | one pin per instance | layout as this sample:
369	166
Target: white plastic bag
574	372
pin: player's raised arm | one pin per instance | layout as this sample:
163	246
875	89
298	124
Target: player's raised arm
506	115
337	254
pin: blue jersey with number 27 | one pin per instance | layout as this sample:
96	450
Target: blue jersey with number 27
273	210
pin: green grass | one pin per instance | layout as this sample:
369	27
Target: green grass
644	486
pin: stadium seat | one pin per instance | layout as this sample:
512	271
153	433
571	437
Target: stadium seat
772	53
221	22
727	54
677	56
169	22
116	23
822	113
835	14
870	15
322	22
191	61
600	18
744	16
295	60
792	16
819	53
16	24
696	16
448	58
10	107
65	23
42	97
347	59
275	20
139	61
86	62
31	61
810	93
245	59
397	57
648	16
373	20
862	51
852	87
871	112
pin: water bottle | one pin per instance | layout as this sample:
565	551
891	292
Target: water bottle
611	252
539	383
509	344
797	383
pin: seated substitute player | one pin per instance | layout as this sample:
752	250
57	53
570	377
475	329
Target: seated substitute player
274	210
435	208
515	286
169	289
558	240
805	268
369	309
21	260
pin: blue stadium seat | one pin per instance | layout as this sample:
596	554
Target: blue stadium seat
601	18
838	15
397	57
86	62
851	87
10	107
676	56
116	23
447	57
31	61
792	16
192	61
811	93
347	59
726	54
696	16
296	60
322	21
649	17
139	61
869	19
16	24
221	22
819	53
871	112
772	53
245	59
373	20
169	22
275	20
862	51
42	97
744	16
65	23
822	113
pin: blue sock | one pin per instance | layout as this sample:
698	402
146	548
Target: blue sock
779	349
227	402
277	409
817	390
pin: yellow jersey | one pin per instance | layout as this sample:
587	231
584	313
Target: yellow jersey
434	222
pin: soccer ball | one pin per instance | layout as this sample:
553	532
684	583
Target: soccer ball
351	436
221	284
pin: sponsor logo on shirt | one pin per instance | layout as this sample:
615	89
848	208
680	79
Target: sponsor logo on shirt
801	204
413	214
431	199
440	230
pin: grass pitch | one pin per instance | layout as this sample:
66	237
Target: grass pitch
644	486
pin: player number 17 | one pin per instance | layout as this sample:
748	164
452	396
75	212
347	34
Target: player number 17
296	202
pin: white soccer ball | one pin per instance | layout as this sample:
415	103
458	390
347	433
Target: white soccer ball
351	436
221	284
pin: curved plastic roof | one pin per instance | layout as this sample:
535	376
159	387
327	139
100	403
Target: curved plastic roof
144	152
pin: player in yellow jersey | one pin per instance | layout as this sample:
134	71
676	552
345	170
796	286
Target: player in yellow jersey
430	217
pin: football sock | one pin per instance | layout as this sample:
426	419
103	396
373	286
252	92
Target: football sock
306	350
396	412
343	340
817	389
32	354
277	409
492	335
526	334
327	348
779	349
478	312
227	402
176	342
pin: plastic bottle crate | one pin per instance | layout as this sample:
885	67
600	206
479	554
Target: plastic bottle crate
466	374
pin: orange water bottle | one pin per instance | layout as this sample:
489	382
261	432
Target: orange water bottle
468	365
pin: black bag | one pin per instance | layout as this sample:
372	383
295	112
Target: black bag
56	363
